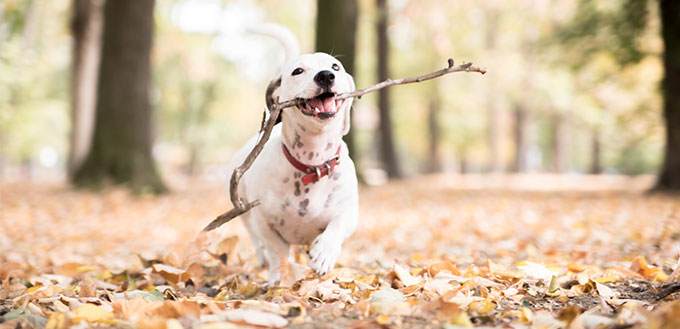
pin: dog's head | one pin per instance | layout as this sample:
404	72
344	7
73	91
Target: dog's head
315	80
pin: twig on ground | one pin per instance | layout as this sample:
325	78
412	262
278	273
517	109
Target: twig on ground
667	290
242	206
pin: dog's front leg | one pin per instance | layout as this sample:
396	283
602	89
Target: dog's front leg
326	248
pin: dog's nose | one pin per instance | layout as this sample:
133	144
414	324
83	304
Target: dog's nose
325	78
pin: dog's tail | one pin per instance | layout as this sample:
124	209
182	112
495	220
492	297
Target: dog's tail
284	35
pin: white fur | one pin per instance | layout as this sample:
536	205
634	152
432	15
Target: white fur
321	214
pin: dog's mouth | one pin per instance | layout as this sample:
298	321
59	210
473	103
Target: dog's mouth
324	106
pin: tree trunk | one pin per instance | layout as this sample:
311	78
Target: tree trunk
669	179
559	140
596	152
434	163
387	150
121	148
521	139
336	26
495	115
86	24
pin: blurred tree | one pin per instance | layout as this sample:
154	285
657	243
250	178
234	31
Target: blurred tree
521	138
596	152
121	149
86	23
669	178
494	111
559	141
336	27
387	150
434	161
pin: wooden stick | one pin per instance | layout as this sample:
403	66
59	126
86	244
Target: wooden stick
241	206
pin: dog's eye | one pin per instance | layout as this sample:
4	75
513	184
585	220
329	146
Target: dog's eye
297	71
336	67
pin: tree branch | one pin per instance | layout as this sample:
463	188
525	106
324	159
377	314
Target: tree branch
242	206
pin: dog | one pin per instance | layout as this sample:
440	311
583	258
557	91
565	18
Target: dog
304	177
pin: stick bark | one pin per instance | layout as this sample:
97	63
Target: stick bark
241	205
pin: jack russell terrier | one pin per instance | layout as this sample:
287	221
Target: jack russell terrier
304	177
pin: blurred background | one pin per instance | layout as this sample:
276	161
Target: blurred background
573	87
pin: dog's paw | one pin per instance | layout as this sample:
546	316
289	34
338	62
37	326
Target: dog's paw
324	253
274	277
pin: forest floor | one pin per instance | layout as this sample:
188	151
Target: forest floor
434	252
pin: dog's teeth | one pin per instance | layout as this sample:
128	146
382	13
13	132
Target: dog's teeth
316	110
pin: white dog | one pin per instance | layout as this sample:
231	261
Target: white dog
304	177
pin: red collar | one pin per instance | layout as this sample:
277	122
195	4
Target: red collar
314	173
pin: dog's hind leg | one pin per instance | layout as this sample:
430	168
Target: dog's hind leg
275	245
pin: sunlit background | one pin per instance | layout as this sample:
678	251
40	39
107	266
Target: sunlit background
582	96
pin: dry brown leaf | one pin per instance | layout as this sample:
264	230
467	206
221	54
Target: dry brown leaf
170	273
175	309
404	276
292	272
253	317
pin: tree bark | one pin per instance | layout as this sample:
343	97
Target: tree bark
387	150
336	26
596	152
121	148
559	140
669	179
86	25
521	139
434	163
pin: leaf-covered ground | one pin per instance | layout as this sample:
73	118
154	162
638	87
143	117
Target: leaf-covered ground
440	251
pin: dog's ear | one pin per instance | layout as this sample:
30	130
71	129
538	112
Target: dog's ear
348	107
270	95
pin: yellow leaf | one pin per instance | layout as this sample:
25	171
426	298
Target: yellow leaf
382	319
576	267
32	289
92	314
56	321
526	315
222	296
461	319
482	306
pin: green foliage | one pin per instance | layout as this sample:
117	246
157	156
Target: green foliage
611	27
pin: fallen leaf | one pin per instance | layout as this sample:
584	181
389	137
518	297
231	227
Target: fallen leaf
404	276
92	314
253	317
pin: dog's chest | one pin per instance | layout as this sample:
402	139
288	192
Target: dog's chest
298	212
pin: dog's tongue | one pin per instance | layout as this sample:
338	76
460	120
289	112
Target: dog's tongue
326	104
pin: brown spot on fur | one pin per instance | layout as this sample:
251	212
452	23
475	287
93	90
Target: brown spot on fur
297	142
307	190
336	175
328	200
282	222
285	180
328	146
311	155
301	127
303	207
297	174
297	188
